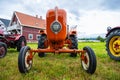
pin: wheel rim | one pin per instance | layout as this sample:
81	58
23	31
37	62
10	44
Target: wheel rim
28	61
114	46
86	61
2	51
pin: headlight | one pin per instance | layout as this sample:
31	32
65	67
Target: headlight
56	27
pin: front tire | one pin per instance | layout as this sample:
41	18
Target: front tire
89	61
113	45
24	61
3	49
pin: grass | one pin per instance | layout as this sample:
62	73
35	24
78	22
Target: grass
60	67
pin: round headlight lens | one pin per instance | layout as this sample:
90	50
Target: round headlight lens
55	27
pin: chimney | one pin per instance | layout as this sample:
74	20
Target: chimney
41	17
36	16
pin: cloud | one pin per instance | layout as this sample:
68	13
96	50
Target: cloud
111	5
90	16
8	7
97	21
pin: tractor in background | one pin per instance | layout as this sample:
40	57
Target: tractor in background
113	42
11	40
57	39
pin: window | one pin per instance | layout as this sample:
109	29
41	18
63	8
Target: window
37	37
30	36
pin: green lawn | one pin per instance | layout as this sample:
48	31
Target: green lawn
60	67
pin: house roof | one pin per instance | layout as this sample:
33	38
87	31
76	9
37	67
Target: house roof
5	21
30	21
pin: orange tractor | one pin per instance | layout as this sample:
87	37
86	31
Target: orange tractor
57	39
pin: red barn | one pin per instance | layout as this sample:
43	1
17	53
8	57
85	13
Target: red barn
27	25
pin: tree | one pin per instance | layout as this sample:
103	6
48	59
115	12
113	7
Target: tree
100	38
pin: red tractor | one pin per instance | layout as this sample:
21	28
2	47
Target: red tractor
11	40
57	39
113	43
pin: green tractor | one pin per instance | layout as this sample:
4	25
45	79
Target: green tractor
113	43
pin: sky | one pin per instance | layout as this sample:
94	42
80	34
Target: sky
90	16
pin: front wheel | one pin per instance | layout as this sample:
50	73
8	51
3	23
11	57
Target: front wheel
24	61
3	49
89	60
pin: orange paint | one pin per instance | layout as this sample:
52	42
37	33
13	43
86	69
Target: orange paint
51	16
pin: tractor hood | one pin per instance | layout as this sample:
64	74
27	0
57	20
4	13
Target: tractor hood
56	24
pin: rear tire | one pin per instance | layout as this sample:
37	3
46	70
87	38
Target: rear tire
20	43
89	63
113	45
41	45
74	41
3	49
24	63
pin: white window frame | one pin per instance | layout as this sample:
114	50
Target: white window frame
30	36
37	36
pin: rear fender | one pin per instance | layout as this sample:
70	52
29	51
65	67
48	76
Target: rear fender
42	32
73	33
112	30
1	32
18	37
